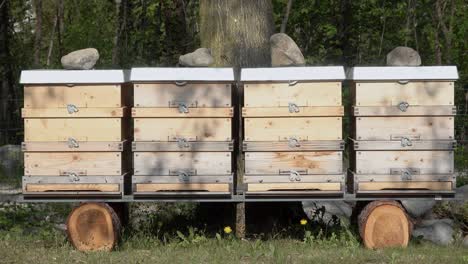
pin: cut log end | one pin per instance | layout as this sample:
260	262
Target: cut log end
384	224
93	227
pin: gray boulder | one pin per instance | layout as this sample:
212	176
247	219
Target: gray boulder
403	56
418	208
199	58
340	209
463	191
83	59
284	51
438	231
465	241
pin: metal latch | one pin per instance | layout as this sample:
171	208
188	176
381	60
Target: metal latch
182	142
183	176
179	83
406	173
73	177
71	108
403	106
293	142
72	143
294	176
292	83
406	142
293	108
183	108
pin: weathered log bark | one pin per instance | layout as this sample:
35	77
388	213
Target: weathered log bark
93	227
237	31
384	224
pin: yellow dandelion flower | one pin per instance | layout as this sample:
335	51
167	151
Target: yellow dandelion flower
227	230
303	222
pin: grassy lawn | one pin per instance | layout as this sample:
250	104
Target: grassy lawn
53	248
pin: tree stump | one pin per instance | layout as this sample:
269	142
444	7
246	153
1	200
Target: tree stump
93	227
384	224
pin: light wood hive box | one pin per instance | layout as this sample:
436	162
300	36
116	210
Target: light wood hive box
182	120
403	130
75	132
292	120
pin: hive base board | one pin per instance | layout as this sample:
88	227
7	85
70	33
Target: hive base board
403	186
182	188
77	186
311	186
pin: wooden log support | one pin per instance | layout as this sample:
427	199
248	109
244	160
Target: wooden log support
93	227
384	224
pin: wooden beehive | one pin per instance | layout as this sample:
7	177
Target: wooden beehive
403	130
75	132
293	141
182	131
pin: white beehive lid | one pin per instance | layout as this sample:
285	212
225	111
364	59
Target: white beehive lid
325	73
182	74
387	73
73	76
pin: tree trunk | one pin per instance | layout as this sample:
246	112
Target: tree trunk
93	226
237	31
286	17
38	32
115	50
238	34
384	224
60	27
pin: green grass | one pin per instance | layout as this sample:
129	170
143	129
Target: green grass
53	248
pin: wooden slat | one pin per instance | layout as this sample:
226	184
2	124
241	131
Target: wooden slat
284	111
434	110
302	128
64	146
386	128
161	163
302	94
174	112
196	94
428	162
193	129
82	129
414	93
378	186
201	179
82	112
285	146
321	162
396	178
76	187
287	178
263	187
190	146
396	145
57	163
160	187
59	96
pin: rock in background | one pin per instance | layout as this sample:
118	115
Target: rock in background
284	51
418	208
341	209
403	56
83	59
438	231
199	58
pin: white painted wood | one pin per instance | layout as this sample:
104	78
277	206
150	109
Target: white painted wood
335	73
73	76
181	74
403	73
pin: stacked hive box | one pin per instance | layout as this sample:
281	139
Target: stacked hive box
293	131
182	131
74	133
403	135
